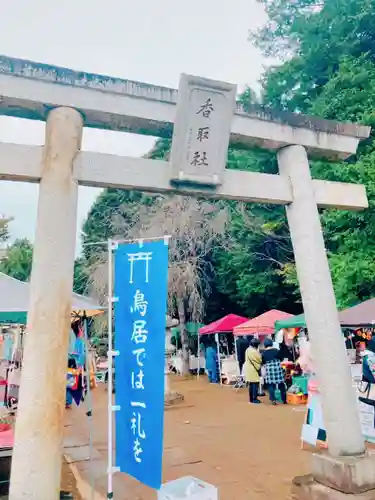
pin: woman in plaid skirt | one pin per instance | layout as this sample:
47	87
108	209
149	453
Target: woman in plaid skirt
271	359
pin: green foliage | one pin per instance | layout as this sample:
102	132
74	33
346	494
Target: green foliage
4	228
100	224
114	211
81	276
248	270
329	72
247	98
18	260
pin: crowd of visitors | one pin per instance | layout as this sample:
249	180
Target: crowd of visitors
252	362
270	359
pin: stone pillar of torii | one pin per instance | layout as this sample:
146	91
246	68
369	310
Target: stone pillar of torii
203	118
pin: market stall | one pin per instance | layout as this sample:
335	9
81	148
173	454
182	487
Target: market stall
358	327
14	302
175	360
227	362
361	315
357	322
263	325
291	322
290	334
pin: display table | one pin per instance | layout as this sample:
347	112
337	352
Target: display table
6	436
6	440
229	370
313	431
302	382
175	363
196	363
356	370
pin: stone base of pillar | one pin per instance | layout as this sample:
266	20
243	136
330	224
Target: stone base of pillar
306	488
172	398
337	478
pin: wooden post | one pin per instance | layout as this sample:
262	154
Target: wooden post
327	342
36	463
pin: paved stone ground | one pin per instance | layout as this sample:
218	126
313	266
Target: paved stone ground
247	451
68	483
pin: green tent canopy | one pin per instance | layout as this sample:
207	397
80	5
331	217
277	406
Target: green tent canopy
363	314
293	322
191	328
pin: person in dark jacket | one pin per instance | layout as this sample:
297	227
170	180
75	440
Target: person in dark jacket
271	359
368	363
212	366
242	343
287	352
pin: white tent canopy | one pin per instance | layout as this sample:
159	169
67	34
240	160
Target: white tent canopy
14	301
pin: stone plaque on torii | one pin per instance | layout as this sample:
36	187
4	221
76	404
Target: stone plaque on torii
207	119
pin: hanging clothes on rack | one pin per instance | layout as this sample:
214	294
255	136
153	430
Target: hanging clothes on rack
74	383
8	346
75	388
80	351
72	342
13	380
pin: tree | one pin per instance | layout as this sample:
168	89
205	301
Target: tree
17	261
312	37
100	223
234	285
194	227
81	278
4	228
328	70
250	270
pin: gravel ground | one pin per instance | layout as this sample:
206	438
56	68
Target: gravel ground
68	482
247	451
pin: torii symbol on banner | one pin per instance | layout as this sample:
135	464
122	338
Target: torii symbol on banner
132	257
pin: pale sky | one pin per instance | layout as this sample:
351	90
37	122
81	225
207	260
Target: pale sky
145	40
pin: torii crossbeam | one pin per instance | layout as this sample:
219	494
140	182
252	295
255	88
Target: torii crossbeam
68	101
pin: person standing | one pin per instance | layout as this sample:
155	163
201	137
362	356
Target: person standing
253	363
212	362
71	382
368	365
242	343
272	358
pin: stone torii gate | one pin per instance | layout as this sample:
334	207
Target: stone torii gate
203	118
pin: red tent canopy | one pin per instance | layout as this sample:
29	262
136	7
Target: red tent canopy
261	325
222	325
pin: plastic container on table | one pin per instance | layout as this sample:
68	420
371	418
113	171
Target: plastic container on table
302	382
296	399
188	488
278	396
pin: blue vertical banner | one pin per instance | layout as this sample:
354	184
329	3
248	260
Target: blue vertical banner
140	286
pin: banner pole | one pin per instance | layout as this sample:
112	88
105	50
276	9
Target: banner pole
110	371
199	357
89	400
218	356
